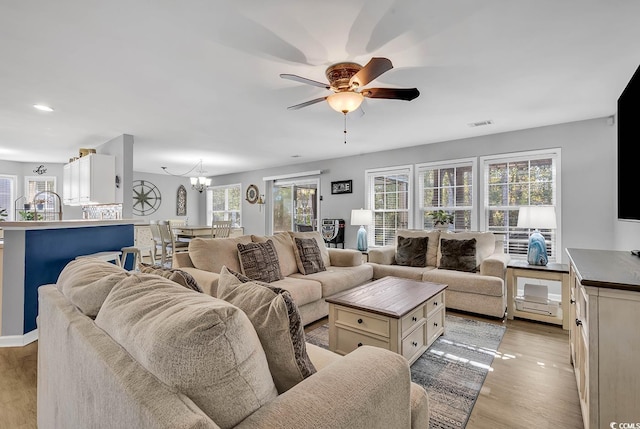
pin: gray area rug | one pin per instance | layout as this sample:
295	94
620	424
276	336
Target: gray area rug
452	370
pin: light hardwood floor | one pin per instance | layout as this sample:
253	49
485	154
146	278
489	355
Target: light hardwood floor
531	383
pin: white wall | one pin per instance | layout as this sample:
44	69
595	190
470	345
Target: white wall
589	217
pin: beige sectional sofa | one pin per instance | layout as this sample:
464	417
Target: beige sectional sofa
133	350
344	268
481	291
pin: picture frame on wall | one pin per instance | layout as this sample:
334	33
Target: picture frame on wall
342	187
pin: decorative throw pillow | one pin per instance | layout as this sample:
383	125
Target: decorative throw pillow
459	255
316	235
277	321
201	346
308	256
259	261
181	277
412	251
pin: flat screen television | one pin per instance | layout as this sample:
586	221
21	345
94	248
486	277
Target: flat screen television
628	144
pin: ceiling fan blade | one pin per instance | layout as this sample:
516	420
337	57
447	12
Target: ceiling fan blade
305	80
407	94
372	70
306	103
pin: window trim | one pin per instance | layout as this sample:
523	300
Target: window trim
368	173
209	203
555	153
11	210
459	162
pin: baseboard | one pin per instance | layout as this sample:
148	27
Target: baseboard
19	340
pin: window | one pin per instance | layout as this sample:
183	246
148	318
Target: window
515	180
389	198
33	185
225	203
7	196
447	186
295	205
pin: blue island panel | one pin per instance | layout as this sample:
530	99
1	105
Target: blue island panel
48	251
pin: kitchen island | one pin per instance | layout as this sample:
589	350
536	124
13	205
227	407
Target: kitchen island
35	253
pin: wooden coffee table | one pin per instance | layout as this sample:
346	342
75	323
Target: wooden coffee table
401	315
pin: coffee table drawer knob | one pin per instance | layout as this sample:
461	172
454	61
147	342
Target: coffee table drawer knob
359	344
435	324
414	318
414	344
359	320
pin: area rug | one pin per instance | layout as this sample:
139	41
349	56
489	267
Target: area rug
452	370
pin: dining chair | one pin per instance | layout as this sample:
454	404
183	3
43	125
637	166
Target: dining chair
220	228
157	248
169	242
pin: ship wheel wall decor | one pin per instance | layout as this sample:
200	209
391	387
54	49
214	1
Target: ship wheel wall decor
146	198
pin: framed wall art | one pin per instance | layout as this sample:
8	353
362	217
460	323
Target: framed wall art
341	187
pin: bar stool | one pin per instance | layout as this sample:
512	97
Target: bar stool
107	256
136	251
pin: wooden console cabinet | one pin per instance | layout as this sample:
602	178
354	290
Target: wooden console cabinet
605	335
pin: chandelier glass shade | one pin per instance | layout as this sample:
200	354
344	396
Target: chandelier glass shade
198	183
345	102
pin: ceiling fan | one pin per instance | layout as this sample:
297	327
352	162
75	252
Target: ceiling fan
347	80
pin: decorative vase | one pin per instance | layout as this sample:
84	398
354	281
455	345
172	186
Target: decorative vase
537	252
362	239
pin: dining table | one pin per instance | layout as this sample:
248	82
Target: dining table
192	231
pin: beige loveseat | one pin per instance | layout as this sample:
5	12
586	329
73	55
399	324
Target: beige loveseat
132	350
481	290
344	268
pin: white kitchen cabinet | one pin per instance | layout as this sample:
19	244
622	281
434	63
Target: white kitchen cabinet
90	180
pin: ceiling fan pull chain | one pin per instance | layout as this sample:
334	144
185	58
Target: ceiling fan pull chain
345	127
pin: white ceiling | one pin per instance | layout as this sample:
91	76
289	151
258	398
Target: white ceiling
200	79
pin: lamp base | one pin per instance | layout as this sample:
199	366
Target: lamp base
362	239
537	252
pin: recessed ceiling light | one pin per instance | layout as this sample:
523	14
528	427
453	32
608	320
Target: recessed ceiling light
43	107
480	123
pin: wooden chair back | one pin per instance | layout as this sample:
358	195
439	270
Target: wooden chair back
220	228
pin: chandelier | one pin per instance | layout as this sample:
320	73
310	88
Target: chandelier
199	182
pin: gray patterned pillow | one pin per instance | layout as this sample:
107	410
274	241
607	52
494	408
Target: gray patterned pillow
181	277
278	323
459	255
412	251
259	261
308	256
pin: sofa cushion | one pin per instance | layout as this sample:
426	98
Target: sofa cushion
412	251
485	243
338	279
284	248
259	261
413	273
86	283
181	277
277	321
324	251
308	256
459	281
432	246
202	346
211	254
459	255
303	290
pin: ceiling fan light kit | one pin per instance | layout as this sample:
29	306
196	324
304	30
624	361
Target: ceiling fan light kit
346	80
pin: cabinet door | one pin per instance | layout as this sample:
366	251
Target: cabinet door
84	179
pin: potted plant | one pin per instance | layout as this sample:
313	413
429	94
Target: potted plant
441	219
39	204
28	215
3	214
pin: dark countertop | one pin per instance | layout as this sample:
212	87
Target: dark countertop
614	269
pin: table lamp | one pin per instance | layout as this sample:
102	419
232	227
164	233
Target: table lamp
361	217
537	217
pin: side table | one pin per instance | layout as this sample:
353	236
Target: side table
551	271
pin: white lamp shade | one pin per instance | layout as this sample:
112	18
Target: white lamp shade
360	217
345	102
194	180
537	217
